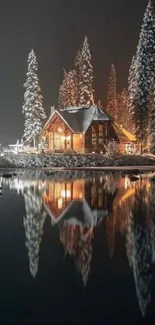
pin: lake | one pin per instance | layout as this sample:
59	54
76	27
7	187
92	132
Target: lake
77	248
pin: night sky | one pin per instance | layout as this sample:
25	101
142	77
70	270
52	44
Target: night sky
55	29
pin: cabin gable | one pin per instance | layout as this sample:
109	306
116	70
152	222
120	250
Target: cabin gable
57	135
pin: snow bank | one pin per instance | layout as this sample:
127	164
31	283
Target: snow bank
6	163
59	160
73	160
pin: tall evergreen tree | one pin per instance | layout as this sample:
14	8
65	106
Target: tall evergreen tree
72	88
151	119
78	68
85	77
33	102
145	69
111	95
131	91
124	117
63	96
68	90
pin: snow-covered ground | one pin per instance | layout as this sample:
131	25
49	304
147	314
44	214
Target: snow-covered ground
73	160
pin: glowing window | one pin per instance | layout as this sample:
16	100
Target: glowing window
100	130
93	141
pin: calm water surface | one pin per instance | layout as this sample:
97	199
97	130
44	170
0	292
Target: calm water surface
77	249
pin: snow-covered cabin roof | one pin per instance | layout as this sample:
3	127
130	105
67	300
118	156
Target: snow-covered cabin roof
78	212
81	212
129	135
124	135
78	119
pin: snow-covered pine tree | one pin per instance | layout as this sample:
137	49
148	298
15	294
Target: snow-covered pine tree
85	76
33	102
111	107
78	68
124	117
68	90
33	224
151	118
63	100
72	88
132	90
144	72
78	61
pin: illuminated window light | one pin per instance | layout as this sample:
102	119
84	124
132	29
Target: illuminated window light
66	194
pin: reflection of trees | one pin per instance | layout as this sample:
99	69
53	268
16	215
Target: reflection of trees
152	218
133	215
117	220
77	240
131	209
139	247
33	224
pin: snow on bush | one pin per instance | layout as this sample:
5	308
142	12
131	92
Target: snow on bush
111	148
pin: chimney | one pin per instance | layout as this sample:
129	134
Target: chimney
52	109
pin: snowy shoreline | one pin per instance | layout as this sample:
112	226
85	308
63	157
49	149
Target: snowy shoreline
76	161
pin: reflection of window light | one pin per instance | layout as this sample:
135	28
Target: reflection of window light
59	130
100	201
80	196
66	194
94	141
100	130
60	203
126	183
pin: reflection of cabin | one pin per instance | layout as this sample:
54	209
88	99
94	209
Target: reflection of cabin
82	130
77	199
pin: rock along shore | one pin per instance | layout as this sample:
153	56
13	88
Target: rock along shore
73	161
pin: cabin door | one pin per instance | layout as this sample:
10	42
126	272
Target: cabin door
59	142
68	142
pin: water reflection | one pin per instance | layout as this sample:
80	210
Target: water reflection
78	206
77	241
141	242
33	224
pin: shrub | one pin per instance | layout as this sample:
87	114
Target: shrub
111	148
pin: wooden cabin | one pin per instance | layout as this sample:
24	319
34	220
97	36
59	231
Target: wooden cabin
81	130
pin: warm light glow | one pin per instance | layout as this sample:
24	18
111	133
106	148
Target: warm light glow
67	138
80	196
59	130
66	194
126	183
60	203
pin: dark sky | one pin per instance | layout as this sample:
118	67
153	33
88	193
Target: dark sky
55	29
